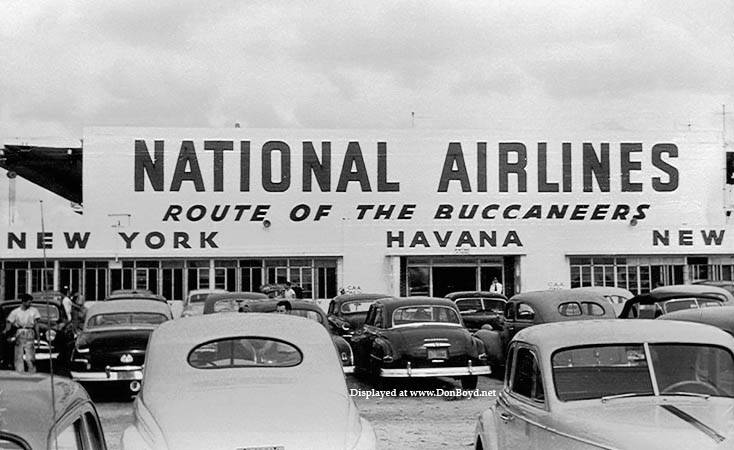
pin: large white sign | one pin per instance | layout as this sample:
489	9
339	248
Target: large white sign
238	192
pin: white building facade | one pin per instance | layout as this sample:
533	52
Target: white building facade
401	212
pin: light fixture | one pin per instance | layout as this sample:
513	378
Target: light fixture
266	223
633	222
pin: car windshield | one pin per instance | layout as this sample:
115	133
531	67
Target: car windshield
356	307
244	352
198	298
125	319
48	312
581	373
424	314
313	315
689	303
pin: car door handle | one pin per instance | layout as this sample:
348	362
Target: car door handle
506	417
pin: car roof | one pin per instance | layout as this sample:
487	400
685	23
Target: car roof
606	290
250	297
135	295
551	336
40	301
25	404
206	291
171	343
697	289
475	294
719	317
359	296
132	305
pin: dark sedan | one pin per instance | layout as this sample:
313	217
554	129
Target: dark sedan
418	337
347	312
479	308
111	347
57	334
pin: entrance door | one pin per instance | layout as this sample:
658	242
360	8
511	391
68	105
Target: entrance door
452	279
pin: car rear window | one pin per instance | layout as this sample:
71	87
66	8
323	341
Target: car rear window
571	309
237	352
424	313
356	307
121	319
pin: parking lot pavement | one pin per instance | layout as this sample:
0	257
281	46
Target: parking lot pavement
432	413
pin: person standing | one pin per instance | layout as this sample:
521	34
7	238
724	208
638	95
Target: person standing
496	286
66	302
289	293
25	321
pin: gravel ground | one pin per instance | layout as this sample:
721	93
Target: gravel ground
405	423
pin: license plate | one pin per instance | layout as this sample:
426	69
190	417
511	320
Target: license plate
438	353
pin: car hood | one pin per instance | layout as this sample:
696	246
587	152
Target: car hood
668	422
260	416
414	337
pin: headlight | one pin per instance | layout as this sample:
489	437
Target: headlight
50	335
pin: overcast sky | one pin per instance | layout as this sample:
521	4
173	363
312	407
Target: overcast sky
509	65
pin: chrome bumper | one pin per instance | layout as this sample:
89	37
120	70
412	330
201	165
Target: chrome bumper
121	373
435	372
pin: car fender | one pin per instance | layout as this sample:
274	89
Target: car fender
343	347
492	340
486	430
383	347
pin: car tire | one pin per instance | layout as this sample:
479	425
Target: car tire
469	382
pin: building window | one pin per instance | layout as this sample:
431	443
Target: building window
636	274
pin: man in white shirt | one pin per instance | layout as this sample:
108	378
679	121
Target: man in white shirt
66	302
496	286
25	320
289	293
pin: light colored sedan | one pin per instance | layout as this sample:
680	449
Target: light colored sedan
614	384
245	381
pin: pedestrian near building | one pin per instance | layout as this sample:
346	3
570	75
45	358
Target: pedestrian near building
66	302
24	320
289	293
496	286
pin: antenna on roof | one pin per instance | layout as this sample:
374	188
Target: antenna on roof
48	324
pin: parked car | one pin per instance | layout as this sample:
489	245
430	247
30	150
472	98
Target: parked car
719	317
57	332
245	381
347	312
726	284
666	299
193	305
418	337
616	295
219	303
78	312
40	412
111	348
533	308
614	384
479	308
231	301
